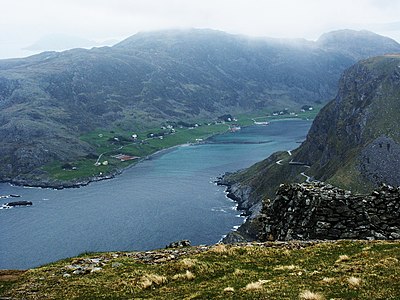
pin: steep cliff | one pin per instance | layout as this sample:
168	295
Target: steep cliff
354	142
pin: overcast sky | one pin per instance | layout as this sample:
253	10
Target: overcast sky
24	22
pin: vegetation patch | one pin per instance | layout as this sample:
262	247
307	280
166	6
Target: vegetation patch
117	149
292	270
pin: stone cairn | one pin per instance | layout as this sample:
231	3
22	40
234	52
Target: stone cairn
319	211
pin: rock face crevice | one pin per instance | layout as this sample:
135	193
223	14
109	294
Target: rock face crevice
321	211
380	161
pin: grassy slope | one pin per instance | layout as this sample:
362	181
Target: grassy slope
86	167
331	270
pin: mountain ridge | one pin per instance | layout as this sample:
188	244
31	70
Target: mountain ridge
49	99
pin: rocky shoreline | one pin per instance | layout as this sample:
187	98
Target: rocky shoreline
59	185
248	205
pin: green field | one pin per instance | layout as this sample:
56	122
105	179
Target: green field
106	146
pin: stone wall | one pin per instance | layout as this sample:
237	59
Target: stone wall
321	211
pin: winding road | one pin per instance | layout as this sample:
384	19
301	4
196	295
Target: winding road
308	178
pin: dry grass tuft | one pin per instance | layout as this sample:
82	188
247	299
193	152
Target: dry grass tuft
354	281
308	295
219	248
389	261
258	285
229	289
152	279
145	283
189	263
283	268
238	272
187	276
342	258
328	280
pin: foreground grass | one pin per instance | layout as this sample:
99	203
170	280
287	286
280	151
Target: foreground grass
328	270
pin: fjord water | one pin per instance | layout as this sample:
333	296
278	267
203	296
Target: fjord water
163	199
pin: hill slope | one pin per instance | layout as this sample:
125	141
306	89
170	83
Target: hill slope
360	147
48	100
354	142
308	270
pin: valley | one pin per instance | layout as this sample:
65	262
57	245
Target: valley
52	102
116	150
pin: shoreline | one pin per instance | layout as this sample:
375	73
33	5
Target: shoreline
59	185
86	181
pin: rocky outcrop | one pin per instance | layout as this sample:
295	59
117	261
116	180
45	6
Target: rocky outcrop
380	161
18	203
249	204
321	211
241	194
179	244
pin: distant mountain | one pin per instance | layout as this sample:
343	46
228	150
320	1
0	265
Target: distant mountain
357	44
48	100
60	42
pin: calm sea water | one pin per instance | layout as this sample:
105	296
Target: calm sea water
167	198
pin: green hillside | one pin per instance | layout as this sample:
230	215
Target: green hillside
48	101
307	270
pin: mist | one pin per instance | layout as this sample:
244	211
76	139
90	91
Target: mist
25	24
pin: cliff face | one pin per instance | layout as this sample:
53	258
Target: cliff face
354	142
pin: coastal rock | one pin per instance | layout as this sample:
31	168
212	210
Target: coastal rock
83	266
179	244
18	203
242	194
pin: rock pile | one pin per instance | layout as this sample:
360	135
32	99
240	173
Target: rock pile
320	211
82	266
179	244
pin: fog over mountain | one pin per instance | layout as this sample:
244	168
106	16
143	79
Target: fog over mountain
48	100
24	22
60	42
